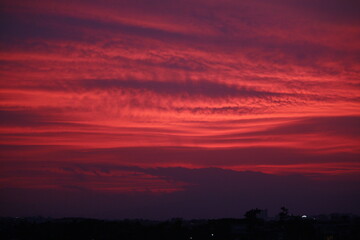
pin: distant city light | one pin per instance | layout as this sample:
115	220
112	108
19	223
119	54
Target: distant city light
303	216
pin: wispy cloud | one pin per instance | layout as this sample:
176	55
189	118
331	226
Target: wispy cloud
238	85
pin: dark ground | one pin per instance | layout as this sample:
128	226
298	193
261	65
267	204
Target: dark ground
331	227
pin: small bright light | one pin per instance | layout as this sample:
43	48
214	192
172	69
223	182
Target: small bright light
212	234
303	216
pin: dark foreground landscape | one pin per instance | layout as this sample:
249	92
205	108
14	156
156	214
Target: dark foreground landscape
327	227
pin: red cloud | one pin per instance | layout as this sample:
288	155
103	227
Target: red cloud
242	85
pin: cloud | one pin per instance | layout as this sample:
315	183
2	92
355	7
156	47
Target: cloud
276	160
190	88
210	193
147	97
333	10
337	125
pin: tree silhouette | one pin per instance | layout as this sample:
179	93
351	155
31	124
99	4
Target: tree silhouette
284	213
252	214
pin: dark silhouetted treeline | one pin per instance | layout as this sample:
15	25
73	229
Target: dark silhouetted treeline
330	227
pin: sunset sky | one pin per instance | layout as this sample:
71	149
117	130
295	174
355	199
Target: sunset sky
179	108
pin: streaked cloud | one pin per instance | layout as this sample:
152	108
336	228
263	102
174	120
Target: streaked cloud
154	89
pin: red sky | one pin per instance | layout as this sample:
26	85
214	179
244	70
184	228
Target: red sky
105	96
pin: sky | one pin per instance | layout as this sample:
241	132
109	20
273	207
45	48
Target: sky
179	108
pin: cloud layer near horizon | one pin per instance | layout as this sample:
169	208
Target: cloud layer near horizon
239	85
90	191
